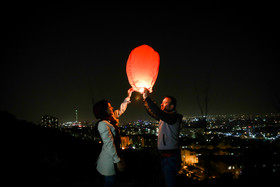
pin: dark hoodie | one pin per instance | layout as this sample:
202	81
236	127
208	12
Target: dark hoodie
169	126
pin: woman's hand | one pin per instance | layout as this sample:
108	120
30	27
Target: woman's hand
130	92
121	165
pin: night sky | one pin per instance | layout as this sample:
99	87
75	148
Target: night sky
56	58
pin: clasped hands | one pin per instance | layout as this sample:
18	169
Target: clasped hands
143	91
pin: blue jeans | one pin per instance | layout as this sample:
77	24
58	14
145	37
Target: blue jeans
110	181
170	166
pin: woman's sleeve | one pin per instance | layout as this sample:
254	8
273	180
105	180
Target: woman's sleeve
108	142
123	107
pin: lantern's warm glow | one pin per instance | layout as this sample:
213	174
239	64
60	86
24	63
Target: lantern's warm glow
142	68
141	90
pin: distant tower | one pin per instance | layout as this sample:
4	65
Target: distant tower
76	112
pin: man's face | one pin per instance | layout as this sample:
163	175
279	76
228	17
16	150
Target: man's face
166	104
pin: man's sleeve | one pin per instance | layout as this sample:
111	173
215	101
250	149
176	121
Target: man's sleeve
158	114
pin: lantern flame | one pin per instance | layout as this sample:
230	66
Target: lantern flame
141	90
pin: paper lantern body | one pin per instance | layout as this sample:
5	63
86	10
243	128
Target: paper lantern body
142	68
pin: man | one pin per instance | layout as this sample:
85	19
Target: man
168	135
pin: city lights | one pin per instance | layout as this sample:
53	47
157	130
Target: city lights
220	145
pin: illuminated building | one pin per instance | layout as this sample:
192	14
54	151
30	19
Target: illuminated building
139	141
125	142
188	157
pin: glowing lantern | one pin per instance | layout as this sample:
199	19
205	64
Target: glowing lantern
142	68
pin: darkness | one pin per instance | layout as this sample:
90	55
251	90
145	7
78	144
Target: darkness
37	156
56	58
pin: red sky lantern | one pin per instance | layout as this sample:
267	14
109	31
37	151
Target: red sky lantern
142	68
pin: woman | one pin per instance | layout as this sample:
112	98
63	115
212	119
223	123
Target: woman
110	135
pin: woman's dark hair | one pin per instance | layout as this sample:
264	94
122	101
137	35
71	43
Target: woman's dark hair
100	109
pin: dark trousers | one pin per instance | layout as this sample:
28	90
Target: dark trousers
170	166
110	181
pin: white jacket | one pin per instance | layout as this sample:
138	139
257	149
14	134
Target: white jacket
108	156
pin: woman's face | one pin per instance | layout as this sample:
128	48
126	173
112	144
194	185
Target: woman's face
110	110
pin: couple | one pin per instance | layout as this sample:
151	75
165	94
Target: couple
168	137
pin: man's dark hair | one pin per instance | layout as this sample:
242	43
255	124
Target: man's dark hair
173	101
100	109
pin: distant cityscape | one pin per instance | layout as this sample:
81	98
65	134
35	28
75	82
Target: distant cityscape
262	127
211	146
